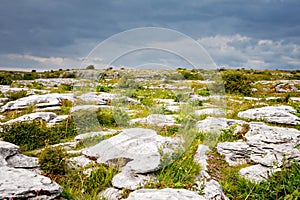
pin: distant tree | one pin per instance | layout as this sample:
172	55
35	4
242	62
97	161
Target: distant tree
33	70
90	67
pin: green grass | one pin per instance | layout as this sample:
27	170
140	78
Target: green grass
179	170
34	135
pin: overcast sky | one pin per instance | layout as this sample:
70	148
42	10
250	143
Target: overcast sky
52	34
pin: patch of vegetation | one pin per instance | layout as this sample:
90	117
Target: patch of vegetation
203	92
128	81
78	185
179	170
191	74
182	97
102	88
66	106
12	96
52	161
34	135
237	83
63	88
169	131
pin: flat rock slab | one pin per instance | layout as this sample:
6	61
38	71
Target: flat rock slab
46	116
137	148
273	114
158	119
22	183
164	194
264	144
213	124
50	99
94	134
210	111
236	153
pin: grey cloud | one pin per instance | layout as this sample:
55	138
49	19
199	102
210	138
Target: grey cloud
69	28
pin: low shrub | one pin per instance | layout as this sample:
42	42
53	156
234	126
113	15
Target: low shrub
203	92
52	161
101	88
237	83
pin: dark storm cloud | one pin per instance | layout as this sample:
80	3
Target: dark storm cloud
69	28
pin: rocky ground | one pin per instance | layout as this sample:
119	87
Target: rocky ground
265	128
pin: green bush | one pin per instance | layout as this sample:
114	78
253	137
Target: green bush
237	83
37	85
191	75
101	88
203	92
5	80
52	161
106	118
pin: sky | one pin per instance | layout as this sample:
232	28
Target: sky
53	34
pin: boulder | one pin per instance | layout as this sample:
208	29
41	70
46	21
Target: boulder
131	181
57	120
210	111
138	148
159	119
111	194
264	144
164	194
212	124
200	157
85	107
23	184
79	161
278	139
256	173
53	99
235	152
295	99
285	88
273	114
94	134
45	116
22	161
213	191
8	149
